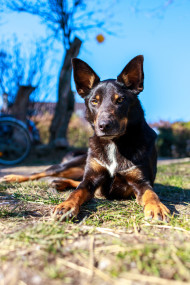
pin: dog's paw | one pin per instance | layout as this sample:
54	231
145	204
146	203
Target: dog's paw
66	210
157	211
60	185
13	178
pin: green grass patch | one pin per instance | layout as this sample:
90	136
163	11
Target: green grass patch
110	241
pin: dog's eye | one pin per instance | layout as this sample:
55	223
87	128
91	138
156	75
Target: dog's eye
120	100
94	102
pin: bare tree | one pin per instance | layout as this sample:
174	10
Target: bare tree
67	19
20	107
4	71
65	104
19	74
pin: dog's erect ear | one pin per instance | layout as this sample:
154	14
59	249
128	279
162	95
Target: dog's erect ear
132	75
84	76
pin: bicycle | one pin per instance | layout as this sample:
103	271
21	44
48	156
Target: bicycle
15	140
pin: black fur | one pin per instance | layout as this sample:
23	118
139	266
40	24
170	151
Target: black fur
122	157
134	140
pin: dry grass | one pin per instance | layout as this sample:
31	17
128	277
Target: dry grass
109	243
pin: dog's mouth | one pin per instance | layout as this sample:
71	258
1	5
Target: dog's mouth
108	137
111	137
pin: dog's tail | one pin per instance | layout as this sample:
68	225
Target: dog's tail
71	169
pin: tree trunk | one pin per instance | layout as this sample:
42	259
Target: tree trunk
65	104
19	109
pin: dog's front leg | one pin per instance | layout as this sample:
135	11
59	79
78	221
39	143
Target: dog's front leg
146	197
72	205
93	178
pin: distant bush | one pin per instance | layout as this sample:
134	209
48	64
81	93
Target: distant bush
173	138
78	131
43	123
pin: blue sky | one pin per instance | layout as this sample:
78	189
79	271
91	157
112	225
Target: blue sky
162	37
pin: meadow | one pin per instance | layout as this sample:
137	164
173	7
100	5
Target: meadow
110	242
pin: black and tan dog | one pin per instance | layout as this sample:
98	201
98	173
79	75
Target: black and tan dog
122	158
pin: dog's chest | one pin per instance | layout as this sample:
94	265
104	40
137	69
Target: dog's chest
111	159
112	163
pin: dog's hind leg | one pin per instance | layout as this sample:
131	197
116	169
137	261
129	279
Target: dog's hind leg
22	178
62	184
73	169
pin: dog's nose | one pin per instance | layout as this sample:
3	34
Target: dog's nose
104	125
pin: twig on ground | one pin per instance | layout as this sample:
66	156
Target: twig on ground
167	227
87	271
91	251
101	230
149	280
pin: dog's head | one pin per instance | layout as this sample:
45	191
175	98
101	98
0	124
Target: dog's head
109	102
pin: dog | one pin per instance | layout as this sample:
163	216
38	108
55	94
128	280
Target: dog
121	159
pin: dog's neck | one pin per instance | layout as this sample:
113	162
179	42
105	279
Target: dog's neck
128	145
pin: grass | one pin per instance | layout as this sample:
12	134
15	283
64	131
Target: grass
109	243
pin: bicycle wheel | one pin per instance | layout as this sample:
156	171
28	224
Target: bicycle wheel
15	142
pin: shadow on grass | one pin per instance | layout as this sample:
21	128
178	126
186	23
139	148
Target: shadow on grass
172	196
10	206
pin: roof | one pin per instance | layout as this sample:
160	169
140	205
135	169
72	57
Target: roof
40	108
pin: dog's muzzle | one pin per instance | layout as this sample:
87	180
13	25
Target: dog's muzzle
107	128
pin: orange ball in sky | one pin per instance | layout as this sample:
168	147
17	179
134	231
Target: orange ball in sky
100	38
